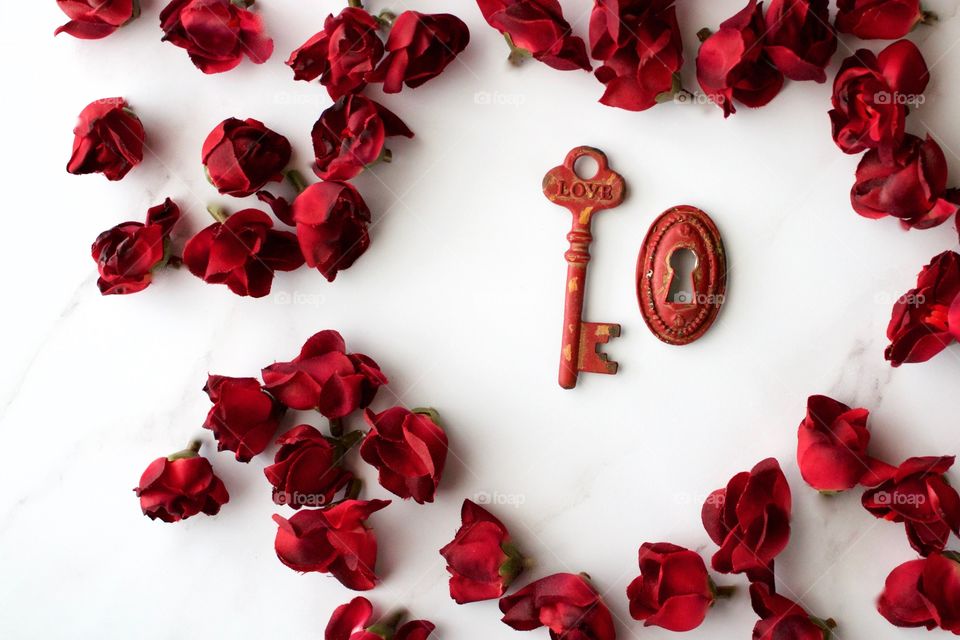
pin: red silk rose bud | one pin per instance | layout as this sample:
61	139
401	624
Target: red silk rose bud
354	621
926	319
673	590
536	28
350	135
881	19
215	33
782	618
128	254
910	184
241	156
409	450
481	558
108	139
832	445
566	604
242	251
871	94
342	54
750	520
419	47
307	470
733	65
179	486
95	19
799	39
924	593
917	494
243	417
642	53
325	377
334	540
331	220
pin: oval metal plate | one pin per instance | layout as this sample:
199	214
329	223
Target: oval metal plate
681	322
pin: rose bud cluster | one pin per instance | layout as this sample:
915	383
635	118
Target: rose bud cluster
108	139
244	417
832	445
308	468
781	617
883	19
924	593
241	156
216	34
180	485
567	604
355	621
536	28
95	19
128	254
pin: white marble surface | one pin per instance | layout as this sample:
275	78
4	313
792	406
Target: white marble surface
459	299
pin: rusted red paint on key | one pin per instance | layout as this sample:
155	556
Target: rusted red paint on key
583	197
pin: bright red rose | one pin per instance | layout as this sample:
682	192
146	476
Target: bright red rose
733	64
108	139
799	38
325	377
242	252
243	417
926	319
910	184
331	220
334	540
419	47
880	19
179	486
241	156
871	95
308	468
342	54
924	593
481	558
128	254
566	604
95	19
783	619
350	135
354	621
215	33
673	590
639	44
409	450
832	445
750	520
536	28
917	494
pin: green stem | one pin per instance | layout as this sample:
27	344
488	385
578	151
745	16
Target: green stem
296	178
386	19
192	450
336	427
354	489
703	34
357	4
928	17
386	627
517	55
219	213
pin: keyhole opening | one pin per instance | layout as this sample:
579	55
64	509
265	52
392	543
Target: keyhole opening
586	167
683	261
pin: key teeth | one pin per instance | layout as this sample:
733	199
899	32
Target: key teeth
592	335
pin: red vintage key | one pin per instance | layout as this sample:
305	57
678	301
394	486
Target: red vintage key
583	197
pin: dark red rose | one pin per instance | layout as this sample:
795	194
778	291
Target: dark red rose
325	377
924	593
783	619
871	95
128	254
242	252
880	19
917	494
910	184
308	469
241	156
334	540
176	487
409	450
537	28
926	319
673	590
832	445
341	55
481	558
732	63
419	47
243	417
331	220
750	520
215	33
355	621
95	19
642	53
799	39
108	139
350	135
566	604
